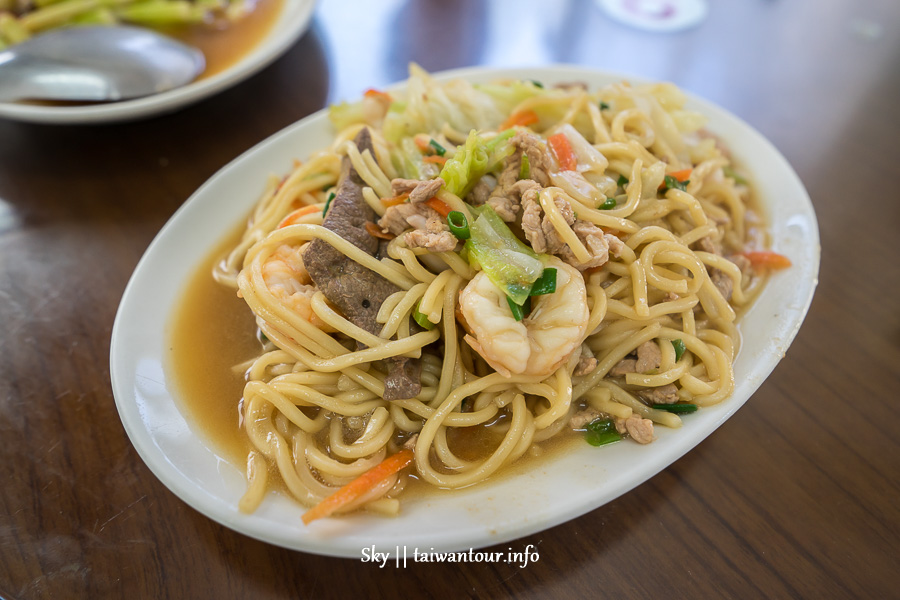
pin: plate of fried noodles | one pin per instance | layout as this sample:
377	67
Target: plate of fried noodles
484	302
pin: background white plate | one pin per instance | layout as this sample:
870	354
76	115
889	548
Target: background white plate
288	27
503	509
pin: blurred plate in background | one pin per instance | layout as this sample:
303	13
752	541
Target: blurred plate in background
289	25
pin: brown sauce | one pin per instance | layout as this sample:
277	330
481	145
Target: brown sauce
211	331
225	46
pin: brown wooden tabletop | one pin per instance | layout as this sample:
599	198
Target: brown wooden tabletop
797	495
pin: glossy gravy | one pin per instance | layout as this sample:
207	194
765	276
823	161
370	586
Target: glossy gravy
223	47
211	331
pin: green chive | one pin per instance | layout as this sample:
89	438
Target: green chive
459	225
421	318
525	168
518	312
326	187
608	204
537	83
601	432
328	203
440	150
604	105
673	184
545	284
679	348
622	181
681	408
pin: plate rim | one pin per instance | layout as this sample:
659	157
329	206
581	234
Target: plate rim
350	546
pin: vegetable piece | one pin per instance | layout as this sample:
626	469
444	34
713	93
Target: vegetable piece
157	13
604	105
522	118
422	142
359	486
439	205
509	95
537	83
679	348
440	150
545	284
671	183
587	158
622	181
373	93
345	114
739	179
524	168
608	204
421	318
562	150
768	260
517	311
473	160
459	225
395	200
294	216
407	157
327	204
434	158
376	231
683	175
679	408
601	432
509	264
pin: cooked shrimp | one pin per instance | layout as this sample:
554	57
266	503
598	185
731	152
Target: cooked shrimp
286	277
538	344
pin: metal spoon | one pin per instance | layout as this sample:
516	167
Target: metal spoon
96	64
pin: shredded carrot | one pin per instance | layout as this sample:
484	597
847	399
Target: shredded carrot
682	175
359	486
562	150
421	141
435	159
376	231
523	118
295	216
373	93
297	162
768	260
439	205
395	200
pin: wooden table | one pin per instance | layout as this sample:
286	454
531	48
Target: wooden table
797	495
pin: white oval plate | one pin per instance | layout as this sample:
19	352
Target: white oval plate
558	490
287	29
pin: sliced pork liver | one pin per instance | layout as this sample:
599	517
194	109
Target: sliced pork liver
354	289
